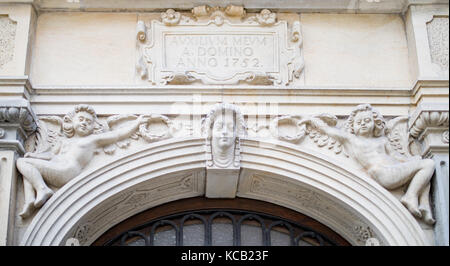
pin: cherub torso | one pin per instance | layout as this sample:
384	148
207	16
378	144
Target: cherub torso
370	152
76	151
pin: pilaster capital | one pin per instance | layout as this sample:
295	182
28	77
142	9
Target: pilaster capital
429	125
17	122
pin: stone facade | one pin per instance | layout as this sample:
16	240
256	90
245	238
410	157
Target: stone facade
338	111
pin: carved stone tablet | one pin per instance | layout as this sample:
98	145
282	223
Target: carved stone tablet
255	50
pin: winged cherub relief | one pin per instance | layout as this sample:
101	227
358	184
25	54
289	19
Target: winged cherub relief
57	165
365	141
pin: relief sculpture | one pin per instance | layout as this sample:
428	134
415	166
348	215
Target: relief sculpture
219	46
59	157
380	149
223	127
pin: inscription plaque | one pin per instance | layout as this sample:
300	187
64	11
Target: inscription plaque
181	50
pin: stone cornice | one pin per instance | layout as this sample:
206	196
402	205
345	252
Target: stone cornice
15	86
339	6
429	82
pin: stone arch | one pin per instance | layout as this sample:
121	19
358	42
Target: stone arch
345	200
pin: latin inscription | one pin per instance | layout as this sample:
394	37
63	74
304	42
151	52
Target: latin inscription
219	52
226	53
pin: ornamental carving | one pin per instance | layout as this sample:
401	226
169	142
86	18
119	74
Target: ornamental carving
445	137
223	127
429	119
380	147
277	189
137	199
221	46
295	128
64	147
7	39
20	115
437	30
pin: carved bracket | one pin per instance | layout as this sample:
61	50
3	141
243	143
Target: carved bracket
223	127
19	115
429	126
17	122
429	119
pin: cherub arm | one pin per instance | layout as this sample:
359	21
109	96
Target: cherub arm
119	134
43	155
339	135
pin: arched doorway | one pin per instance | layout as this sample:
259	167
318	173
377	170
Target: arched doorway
345	200
233	222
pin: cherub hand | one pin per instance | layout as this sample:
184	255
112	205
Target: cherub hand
44	156
316	122
142	119
29	154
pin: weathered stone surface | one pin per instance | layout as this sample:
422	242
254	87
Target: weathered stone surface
7	39
438	41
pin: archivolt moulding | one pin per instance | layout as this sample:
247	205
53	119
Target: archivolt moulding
347	201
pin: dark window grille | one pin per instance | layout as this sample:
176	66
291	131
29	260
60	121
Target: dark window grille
170	230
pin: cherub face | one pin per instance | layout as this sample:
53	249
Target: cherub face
83	124
223	134
364	124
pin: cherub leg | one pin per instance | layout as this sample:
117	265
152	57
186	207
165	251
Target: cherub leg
425	206
29	199
420	180
29	168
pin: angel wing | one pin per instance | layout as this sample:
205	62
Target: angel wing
321	139
114	122
47	136
398	136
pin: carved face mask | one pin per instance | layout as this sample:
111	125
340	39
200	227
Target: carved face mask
223	131
363	124
83	124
